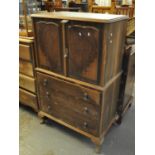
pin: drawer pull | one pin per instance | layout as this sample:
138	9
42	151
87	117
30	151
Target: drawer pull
80	34
45	82
65	55
88	34
49	107
86	97
86	109
47	94
85	124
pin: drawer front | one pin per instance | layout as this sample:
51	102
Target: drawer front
24	52
25	67
27	82
71	103
28	99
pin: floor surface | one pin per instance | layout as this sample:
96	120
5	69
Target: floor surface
54	139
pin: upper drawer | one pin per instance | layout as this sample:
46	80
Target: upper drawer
24	52
70	89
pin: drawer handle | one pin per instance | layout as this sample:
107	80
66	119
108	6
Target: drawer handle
86	109
45	82
86	97
80	34
88	34
47	94
65	55
85	124
49	107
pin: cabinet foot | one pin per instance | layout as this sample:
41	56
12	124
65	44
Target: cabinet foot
98	144
119	120
130	104
42	119
98	149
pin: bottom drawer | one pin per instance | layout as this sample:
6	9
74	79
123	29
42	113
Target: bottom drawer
28	99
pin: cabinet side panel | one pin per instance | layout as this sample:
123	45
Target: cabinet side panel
127	84
114	39
109	104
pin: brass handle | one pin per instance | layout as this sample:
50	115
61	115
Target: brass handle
85	124
45	82
86	97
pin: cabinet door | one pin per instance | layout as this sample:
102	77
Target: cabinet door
84	48
49	45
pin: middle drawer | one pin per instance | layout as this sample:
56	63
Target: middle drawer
74	104
25	67
27	83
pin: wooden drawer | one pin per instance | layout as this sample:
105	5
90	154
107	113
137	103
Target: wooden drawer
73	104
27	82
25	67
28	99
24	52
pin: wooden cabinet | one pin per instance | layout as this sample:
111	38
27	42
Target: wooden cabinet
27	91
79	69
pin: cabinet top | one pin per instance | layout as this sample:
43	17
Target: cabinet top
81	16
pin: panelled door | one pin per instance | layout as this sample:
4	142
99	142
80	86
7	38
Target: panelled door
84	47
49	47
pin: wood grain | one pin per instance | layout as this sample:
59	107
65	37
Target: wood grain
27	83
24	52
26	68
28	99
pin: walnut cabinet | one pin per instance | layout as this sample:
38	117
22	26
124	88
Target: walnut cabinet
79	68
